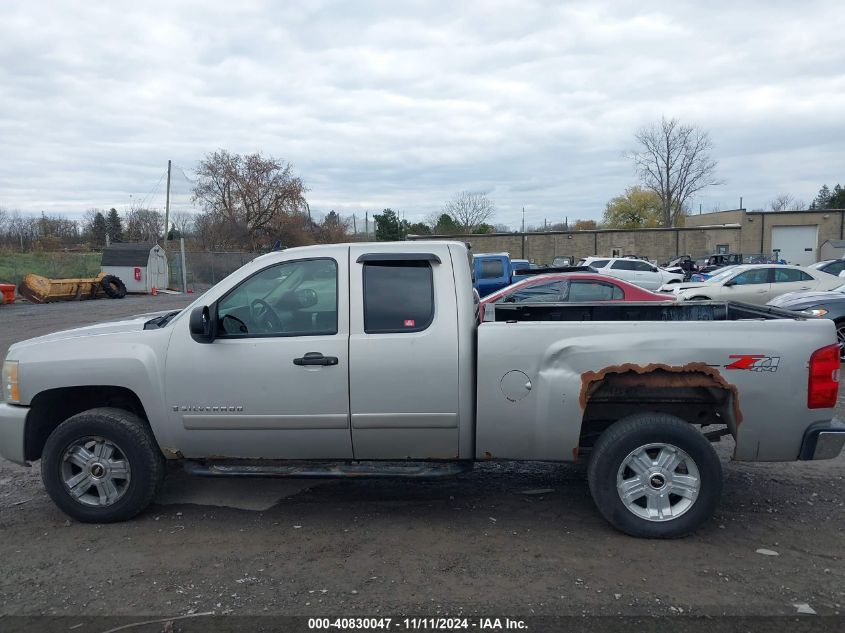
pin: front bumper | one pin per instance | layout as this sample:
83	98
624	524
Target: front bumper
12	430
823	441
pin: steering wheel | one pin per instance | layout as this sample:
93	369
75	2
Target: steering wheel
265	317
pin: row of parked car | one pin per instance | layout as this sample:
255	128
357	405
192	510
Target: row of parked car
816	290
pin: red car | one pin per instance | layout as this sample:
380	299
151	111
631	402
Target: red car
571	287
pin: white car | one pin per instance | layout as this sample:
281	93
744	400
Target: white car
758	283
635	271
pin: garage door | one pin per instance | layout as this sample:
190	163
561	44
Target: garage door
797	244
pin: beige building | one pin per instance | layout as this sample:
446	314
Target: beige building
798	236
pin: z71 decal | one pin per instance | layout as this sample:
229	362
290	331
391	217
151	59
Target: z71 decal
754	362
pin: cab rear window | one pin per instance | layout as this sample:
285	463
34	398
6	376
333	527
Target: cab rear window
492	268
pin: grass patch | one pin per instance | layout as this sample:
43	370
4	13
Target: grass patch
13	266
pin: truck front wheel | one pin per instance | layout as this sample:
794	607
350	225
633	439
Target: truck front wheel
102	465
654	475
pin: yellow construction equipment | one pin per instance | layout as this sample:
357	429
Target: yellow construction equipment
38	289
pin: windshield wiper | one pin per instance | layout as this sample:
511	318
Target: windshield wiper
160	322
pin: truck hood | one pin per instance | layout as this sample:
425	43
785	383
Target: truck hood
132	324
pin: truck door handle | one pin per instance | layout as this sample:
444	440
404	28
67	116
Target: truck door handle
315	358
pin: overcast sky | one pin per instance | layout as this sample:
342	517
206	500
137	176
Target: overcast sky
400	104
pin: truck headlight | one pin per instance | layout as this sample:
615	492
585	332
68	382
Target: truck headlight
11	390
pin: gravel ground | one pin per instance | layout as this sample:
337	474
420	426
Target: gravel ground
474	545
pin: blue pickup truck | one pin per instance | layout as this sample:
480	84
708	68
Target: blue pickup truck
494	271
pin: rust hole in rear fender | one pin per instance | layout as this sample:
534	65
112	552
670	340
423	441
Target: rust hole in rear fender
657	375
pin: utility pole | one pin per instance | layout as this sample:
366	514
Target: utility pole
167	204
354	225
523	233
367	225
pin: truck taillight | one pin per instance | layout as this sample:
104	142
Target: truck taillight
823	387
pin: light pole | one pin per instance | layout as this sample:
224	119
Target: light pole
523	232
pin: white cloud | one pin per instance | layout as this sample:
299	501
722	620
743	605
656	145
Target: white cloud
400	104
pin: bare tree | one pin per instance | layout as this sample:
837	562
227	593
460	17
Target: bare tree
251	194
333	229
787	202
469	209
182	222
673	160
144	225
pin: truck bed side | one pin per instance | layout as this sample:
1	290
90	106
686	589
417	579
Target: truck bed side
536	380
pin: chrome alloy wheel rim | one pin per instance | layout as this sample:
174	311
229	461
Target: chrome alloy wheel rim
95	471
658	482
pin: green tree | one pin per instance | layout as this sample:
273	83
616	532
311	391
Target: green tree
585	225
636	209
837	199
446	225
419	228
114	226
99	229
388	226
822	201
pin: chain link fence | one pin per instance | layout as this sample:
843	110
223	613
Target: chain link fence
203	269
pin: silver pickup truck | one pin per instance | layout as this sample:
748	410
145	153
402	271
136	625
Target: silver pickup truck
355	360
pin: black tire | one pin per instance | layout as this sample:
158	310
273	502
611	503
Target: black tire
624	437
135	442
699	298
113	287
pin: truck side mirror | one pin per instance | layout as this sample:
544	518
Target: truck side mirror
200	325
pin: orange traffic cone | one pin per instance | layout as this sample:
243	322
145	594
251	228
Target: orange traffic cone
154	291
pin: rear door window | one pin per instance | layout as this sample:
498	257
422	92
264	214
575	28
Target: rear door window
643	267
398	296
587	290
624	264
787	275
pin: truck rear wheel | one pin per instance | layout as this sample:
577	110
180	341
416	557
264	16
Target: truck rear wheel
102	465
654	475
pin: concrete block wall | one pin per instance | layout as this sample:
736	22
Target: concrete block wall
745	232
655	244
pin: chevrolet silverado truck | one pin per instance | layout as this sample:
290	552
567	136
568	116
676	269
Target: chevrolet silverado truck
367	360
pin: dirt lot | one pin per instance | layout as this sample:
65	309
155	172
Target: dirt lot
477	544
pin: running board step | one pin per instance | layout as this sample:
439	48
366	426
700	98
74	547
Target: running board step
326	470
